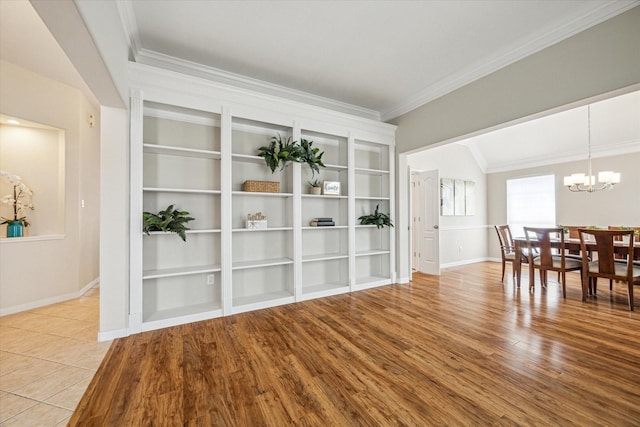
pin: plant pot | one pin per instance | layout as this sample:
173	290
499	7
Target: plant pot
315	190
15	229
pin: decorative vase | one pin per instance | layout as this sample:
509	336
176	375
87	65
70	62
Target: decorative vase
315	190
14	229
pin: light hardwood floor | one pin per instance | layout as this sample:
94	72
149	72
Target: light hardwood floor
461	349
48	356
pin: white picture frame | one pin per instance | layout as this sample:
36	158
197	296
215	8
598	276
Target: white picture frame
331	188
459	197
446	197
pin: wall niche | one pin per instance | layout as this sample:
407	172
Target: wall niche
36	153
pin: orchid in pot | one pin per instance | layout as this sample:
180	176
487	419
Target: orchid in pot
20	201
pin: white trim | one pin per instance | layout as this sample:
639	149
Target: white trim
48	301
112	335
464	227
490	65
4	240
464	262
403	280
157	59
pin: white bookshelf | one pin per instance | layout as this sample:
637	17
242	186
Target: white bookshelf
195	152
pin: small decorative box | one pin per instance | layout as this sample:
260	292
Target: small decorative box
260	224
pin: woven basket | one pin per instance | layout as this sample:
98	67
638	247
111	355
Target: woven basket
261	186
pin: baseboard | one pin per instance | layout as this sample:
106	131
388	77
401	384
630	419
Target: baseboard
112	335
464	262
49	301
403	280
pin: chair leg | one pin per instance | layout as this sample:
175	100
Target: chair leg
610	284
586	284
595	285
503	267
564	286
630	286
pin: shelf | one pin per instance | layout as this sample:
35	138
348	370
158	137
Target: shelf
331	227
371	281
324	196
254	194
179	271
366	171
372	252
207	231
247	158
243	265
179	151
339	168
324	287
257	230
380	198
179	190
206	310
261	298
323	257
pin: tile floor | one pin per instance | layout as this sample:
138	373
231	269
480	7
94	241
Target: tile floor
48	356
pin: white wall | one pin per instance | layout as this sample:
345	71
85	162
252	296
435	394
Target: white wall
462	238
618	206
37	272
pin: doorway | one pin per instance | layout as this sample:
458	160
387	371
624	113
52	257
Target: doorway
425	225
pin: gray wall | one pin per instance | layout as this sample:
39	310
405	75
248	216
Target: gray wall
599	60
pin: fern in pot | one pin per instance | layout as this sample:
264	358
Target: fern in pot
377	218
169	220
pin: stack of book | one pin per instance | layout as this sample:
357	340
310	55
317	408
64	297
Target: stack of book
322	222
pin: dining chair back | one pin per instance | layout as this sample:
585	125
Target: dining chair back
507	248
607	266
551	255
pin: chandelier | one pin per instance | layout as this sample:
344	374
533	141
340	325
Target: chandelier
581	182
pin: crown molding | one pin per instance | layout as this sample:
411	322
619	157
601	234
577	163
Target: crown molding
156	59
622	148
495	63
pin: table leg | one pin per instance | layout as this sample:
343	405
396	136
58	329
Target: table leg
517	265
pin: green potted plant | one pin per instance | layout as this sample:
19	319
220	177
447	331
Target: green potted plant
315	187
169	220
311	156
377	218
279	152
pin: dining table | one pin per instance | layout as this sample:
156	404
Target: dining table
570	244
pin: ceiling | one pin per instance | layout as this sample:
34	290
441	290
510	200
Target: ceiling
383	58
377	59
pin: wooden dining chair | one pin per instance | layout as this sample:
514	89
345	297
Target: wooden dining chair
606	265
550	257
507	249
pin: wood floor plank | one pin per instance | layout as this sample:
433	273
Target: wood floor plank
459	349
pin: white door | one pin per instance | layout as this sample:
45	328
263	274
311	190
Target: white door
416	226
429	211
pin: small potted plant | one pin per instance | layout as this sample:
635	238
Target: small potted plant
377	218
315	187
169	220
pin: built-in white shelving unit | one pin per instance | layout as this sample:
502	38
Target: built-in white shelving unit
194	145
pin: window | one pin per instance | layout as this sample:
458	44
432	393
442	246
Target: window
531	202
